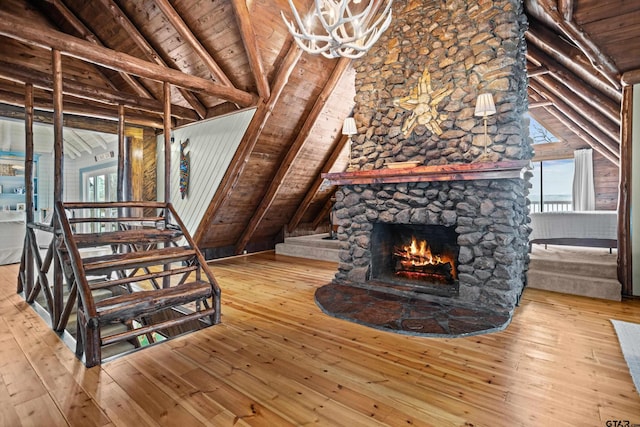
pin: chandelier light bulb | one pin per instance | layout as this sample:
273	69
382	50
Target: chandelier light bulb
343	34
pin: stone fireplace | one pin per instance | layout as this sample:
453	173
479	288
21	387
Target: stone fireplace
415	96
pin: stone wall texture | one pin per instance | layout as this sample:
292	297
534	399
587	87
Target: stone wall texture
466	48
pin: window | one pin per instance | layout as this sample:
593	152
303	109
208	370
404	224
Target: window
552	189
100	186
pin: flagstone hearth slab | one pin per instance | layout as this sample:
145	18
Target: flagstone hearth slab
406	315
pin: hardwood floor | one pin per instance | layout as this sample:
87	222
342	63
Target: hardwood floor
276	360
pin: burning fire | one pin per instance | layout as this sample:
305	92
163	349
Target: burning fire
417	261
419	254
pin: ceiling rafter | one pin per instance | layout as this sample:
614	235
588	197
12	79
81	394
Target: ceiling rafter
44	81
564	114
182	28
571	58
571	30
18	28
586	94
292	153
250	43
249	141
43	102
88	35
80	141
153	55
313	189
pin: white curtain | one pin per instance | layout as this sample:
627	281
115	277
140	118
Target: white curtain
584	194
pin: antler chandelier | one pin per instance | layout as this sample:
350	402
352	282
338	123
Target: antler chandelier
345	34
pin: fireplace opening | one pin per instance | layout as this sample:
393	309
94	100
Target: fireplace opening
424	257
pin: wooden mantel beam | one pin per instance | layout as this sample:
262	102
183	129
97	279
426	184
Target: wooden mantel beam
151	53
182	28
292	154
19	28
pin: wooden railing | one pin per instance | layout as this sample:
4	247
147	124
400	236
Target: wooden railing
157	277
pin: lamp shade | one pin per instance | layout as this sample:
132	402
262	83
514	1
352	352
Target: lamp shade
484	105
349	126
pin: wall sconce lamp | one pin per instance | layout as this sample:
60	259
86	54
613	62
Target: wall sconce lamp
349	129
484	109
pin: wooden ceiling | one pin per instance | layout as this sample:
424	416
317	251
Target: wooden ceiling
223	55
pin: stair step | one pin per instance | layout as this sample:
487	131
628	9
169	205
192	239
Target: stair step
595	287
138	236
109	263
140	303
592	268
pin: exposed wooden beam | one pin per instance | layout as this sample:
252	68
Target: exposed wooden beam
292	154
537	71
571	58
186	33
586	123
588	94
70	120
249	141
625	272
601	123
88	35
540	104
574	127
77	106
311	192
565	7
151	53
70	149
80	141
573	32
18	28
631	77
251	46
20	74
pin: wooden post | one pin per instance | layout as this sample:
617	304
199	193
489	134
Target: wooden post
625	272
28	181
121	153
167	163
58	153
167	142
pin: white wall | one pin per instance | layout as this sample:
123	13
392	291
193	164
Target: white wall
212	144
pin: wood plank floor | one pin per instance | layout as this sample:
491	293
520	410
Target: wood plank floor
276	360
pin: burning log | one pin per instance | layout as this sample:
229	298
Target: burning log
417	262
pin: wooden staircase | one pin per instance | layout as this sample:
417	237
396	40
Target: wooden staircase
153	278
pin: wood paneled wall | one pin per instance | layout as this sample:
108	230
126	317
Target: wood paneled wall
606	177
